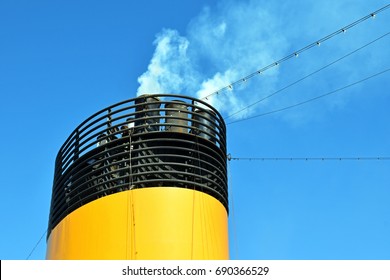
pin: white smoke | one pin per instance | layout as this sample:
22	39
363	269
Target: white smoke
169	67
226	43
219	48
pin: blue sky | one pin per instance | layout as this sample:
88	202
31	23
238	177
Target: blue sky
61	61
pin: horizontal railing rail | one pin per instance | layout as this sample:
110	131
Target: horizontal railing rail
149	141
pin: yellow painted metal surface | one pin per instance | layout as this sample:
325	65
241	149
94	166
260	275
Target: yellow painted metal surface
151	223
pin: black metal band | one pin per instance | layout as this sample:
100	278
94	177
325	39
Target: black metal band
149	141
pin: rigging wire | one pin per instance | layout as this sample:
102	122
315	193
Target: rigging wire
194	200
298	52
309	75
312	99
36	245
309	158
